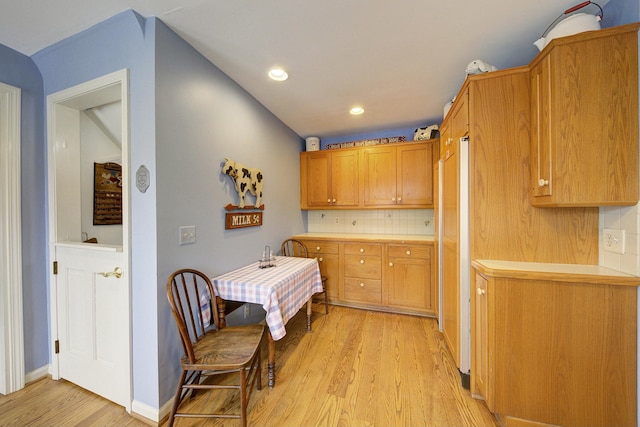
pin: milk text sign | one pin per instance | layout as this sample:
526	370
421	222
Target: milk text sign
242	219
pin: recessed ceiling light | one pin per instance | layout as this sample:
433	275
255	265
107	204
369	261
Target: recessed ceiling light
278	74
356	111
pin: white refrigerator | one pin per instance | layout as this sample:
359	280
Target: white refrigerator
464	264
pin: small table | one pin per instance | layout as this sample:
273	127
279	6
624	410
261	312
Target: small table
281	290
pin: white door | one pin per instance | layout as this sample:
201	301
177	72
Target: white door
90	304
92	319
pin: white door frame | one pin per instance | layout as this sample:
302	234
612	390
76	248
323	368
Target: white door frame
74	98
12	376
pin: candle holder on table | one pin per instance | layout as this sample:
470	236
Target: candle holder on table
267	260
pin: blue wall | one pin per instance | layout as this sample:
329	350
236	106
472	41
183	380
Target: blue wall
202	117
124	41
20	71
185	117
620	12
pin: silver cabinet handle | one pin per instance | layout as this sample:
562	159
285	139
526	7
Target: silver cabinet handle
117	273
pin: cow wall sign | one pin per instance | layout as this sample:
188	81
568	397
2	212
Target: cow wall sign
246	180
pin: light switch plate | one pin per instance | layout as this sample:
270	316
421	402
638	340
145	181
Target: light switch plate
614	240
187	235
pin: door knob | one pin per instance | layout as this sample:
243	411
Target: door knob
117	272
480	291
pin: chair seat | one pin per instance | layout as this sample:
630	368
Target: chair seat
226	349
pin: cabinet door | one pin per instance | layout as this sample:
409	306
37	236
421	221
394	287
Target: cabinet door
414	185
541	181
345	169
450	256
327	254
409	278
481	339
445	139
329	267
460	116
379	176
318	178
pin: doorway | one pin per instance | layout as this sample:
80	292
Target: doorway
11	323
88	172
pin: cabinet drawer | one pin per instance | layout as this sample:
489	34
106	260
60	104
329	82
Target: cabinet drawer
407	251
365	290
315	247
360	266
363	248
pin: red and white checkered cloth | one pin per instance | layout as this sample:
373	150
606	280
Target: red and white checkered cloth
281	290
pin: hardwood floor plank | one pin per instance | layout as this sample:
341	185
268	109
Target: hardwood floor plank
357	368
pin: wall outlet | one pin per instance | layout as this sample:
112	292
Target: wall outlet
614	240
187	235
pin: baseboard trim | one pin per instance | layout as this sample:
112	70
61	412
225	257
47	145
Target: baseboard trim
150	414
37	374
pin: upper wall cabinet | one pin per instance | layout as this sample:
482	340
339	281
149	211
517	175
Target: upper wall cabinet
399	175
329	179
386	176
584	119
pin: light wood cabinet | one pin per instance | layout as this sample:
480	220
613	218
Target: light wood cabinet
555	344
329	179
501	222
409	269
363	272
584	116
480	338
328	261
385	176
394	275
398	175
451	251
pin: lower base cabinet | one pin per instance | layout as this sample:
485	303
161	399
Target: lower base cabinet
409	267
552	348
395	276
327	256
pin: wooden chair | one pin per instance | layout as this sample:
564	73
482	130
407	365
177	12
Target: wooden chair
212	350
293	247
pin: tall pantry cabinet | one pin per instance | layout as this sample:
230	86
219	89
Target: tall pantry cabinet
491	111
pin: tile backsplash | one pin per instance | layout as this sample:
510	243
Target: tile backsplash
375	221
621	218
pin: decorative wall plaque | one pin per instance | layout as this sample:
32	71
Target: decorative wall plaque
107	194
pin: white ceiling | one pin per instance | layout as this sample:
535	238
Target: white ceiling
402	60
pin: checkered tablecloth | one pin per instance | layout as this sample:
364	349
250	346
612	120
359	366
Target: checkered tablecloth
281	290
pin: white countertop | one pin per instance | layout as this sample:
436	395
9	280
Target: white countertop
552	271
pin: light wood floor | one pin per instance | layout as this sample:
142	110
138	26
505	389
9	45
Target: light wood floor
357	368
